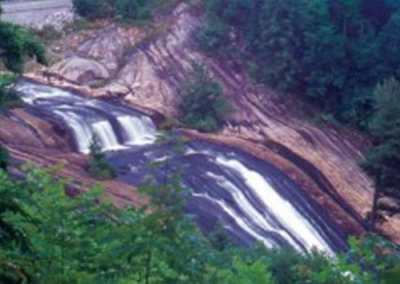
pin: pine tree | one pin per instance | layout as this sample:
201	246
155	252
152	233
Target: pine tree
279	44
98	165
383	159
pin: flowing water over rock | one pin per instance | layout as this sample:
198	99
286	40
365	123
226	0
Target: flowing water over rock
116	127
249	197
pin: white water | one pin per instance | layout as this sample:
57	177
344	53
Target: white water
239	221
250	211
82	132
82	117
104	131
86	118
138	130
279	207
30	93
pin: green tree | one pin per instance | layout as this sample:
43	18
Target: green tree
132	9
127	10
93	8
49	237
214	37
203	105
98	165
16	45
278	44
383	159
8	97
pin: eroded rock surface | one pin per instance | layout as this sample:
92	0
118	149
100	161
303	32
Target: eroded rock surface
81	70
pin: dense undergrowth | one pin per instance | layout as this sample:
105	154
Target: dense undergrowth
48	237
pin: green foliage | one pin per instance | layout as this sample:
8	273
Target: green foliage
98	165
48	237
92	8
16	45
331	53
132	9
8	97
243	273
383	159
203	105
214	37
127	10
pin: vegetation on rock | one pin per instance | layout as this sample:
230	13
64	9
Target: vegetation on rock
127	10
8	97
16	45
98	165
203	105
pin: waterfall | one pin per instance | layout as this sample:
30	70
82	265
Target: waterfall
106	134
282	210
87	118
138	130
251	198
31	93
82	132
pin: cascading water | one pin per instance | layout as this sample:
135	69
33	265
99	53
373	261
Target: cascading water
249	197
115	127
138	130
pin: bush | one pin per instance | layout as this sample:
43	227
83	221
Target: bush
98	165
214	37
7	94
203	105
93	9
16	45
131	10
127	10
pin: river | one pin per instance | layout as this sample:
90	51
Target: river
250	198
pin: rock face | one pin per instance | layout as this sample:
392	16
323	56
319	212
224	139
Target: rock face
81	70
145	69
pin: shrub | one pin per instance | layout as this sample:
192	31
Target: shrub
93	9
131	9
7	94
127	10
98	165
214	37
203	105
16	45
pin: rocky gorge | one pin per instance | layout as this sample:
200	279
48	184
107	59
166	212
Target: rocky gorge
143	68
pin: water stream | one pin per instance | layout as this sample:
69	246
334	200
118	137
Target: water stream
227	187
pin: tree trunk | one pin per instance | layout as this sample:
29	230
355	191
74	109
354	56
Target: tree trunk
374	212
